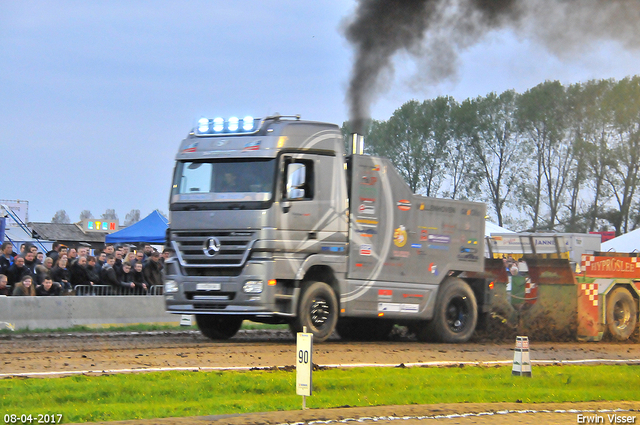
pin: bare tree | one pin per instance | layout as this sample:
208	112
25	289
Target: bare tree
109	214
495	146
85	214
61	217
132	217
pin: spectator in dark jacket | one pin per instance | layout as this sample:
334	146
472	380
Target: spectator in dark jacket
17	271
108	276
100	260
153	270
6	257
48	288
78	274
138	279
92	270
60	273
55	248
127	277
30	262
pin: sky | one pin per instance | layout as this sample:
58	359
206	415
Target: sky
95	97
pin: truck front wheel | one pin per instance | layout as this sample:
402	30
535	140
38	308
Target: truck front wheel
456	314
218	327
318	311
621	314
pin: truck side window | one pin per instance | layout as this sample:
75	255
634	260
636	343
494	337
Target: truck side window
298	180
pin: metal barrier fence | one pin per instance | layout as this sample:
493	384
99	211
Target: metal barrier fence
110	290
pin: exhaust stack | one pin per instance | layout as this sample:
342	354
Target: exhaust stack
357	144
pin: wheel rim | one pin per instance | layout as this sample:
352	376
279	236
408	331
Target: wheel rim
621	315
457	314
319	312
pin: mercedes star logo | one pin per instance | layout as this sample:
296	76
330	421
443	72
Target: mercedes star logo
211	247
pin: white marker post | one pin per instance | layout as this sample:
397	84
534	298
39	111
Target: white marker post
304	365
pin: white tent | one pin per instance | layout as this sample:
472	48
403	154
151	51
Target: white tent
628	242
490	228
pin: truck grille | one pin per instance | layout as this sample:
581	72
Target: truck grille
199	251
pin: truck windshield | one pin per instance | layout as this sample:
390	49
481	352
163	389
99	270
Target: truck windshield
224	181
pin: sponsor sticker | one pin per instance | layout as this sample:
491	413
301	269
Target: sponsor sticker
385	294
440	247
366	221
416	245
365	249
468	257
190	148
400	236
471	212
398	308
252	146
439	209
424	234
401	254
332	248
433	269
368	180
404	205
445	239
366	209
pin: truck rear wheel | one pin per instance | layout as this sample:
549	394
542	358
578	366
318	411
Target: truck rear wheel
218	327
456	314
318	311
621	314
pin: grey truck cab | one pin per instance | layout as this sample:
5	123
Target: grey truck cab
271	221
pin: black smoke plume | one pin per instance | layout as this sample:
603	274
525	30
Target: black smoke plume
436	31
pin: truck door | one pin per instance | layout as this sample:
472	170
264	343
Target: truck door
313	203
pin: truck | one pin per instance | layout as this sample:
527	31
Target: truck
549	299
272	221
609	294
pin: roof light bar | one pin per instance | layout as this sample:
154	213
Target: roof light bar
219	125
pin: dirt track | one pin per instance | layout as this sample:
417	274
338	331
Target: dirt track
100	352
81	352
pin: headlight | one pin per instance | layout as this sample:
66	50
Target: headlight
252	287
170	286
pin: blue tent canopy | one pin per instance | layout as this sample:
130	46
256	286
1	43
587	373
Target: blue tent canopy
151	229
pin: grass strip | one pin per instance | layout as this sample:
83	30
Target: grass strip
174	394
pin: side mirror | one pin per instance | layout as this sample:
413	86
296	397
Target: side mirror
296	179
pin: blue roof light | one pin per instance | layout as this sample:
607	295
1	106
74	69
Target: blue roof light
247	123
233	124
218	124
203	125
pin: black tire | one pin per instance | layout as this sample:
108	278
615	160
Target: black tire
218	327
621	314
456	314
317	310
364	329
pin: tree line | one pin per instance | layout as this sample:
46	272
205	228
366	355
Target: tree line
132	217
556	158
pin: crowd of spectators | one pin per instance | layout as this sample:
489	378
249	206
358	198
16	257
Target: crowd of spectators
65	270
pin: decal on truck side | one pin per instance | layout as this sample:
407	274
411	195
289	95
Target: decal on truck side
400	236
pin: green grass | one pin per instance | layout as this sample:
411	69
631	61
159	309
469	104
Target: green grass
155	395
